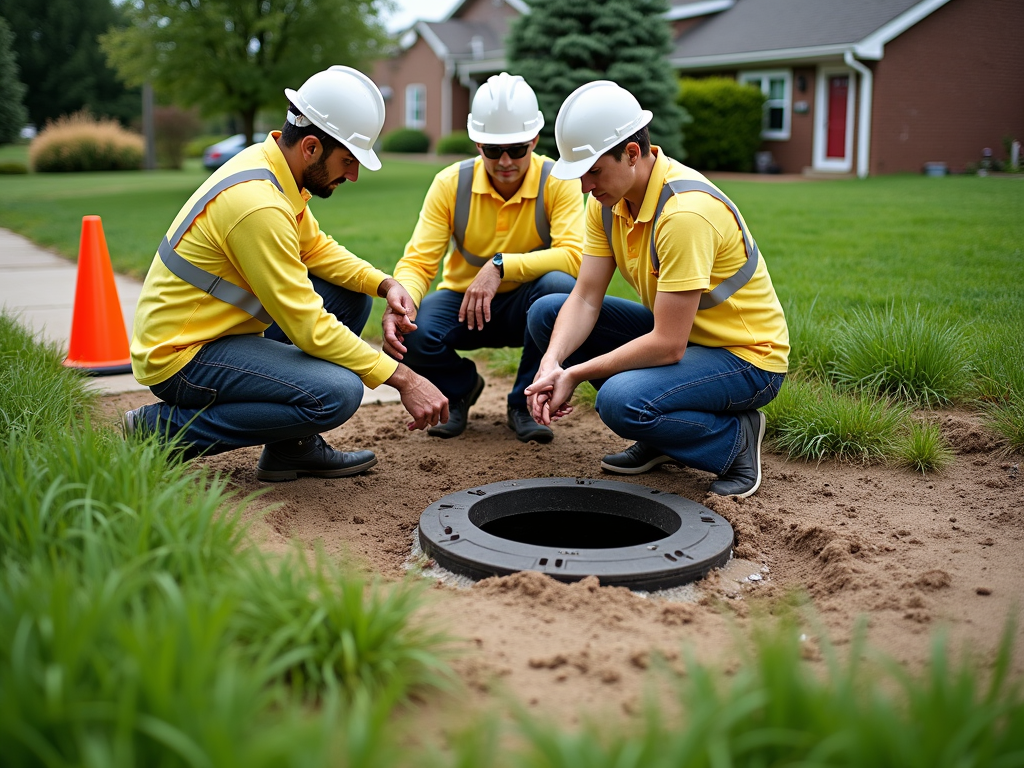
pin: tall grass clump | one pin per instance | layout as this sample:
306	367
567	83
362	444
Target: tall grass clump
776	711
1007	418
137	627
814	420
905	354
81	143
923	449
327	629
812	342
36	390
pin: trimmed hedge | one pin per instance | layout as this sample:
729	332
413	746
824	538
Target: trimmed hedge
12	168
726	128
405	140
80	143
456	143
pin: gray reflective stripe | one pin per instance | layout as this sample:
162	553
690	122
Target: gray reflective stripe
205	281
727	287
464	199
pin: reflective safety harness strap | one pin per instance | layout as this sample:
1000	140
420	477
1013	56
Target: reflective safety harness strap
727	287
464	198
205	281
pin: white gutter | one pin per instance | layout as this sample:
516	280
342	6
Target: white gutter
692	10
863	113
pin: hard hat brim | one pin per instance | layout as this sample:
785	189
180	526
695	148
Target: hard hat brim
502	138
566	170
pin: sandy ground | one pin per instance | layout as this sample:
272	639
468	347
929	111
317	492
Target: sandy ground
909	553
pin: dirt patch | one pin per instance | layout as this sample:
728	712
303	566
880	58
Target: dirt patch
910	553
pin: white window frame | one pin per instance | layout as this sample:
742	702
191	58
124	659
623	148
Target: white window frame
765	76
820	161
416	105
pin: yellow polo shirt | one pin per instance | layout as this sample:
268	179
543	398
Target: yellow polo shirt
495	225
699	244
266	242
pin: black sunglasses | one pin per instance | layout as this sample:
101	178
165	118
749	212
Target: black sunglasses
495	151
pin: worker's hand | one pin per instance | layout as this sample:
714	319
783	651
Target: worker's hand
549	394
424	402
398	316
476	303
395	326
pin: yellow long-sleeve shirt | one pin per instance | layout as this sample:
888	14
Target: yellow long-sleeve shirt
264	241
495	225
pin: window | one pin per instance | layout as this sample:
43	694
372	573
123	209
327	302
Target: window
777	86
416	106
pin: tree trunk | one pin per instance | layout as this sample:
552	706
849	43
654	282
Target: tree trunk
248	123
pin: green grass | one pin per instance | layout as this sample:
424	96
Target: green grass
139	627
776	711
837	250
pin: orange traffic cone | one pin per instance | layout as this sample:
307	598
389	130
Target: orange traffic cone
99	343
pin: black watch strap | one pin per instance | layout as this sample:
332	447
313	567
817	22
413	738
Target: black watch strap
499	261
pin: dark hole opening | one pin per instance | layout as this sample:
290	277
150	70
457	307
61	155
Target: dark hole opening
573	529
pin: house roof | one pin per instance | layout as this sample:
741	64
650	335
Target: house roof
456	37
778	30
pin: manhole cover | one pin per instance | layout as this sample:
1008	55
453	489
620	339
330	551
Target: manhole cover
627	535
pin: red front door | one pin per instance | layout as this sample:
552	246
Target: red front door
838	90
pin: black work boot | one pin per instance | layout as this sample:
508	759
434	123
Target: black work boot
309	457
635	460
744	475
521	420
458	413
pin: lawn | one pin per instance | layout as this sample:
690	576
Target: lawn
949	245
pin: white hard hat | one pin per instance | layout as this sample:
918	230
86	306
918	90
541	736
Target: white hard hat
593	119
346	105
504	111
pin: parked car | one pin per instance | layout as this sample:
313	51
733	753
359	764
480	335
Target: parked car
215	155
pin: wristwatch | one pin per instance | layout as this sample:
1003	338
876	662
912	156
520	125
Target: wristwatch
499	262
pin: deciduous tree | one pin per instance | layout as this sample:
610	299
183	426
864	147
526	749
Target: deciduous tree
12	111
560	45
237	56
60	60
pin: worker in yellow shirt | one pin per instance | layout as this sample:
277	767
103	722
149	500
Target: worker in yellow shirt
248	324
684	371
508	233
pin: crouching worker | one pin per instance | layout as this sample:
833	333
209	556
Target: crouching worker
684	371
248	325
509	233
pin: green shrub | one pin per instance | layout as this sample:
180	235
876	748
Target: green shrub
456	143
405	140
726	128
904	354
13	168
172	129
80	143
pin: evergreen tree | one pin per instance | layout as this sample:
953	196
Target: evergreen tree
12	111
560	45
61	63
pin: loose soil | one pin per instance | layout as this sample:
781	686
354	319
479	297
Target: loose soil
907	553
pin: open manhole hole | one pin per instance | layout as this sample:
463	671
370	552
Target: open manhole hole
627	535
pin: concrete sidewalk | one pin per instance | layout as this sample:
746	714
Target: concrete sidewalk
37	287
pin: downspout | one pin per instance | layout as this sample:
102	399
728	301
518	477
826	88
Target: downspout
864	113
446	96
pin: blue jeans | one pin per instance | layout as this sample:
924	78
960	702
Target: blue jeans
439	333
686	410
251	390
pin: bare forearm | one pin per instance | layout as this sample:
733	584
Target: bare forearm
575	322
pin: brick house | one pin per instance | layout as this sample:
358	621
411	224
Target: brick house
853	86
